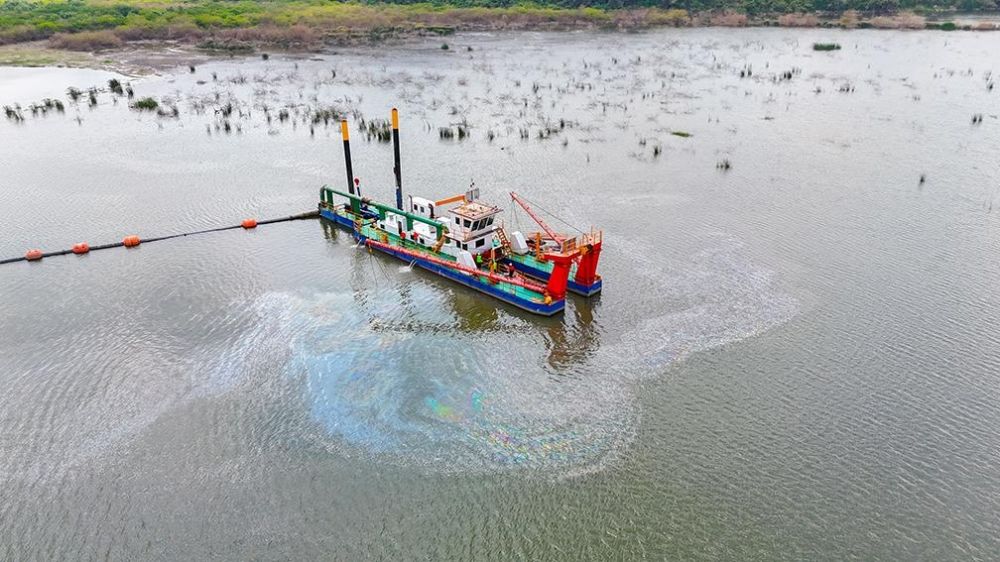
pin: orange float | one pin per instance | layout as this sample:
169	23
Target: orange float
249	223
81	248
33	255
131	241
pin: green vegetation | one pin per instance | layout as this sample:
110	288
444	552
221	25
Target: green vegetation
101	24
826	46
946	26
682	134
145	104
461	132
97	24
376	129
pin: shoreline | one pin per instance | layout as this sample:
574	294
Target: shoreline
132	54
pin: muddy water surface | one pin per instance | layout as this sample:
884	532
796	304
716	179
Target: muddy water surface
795	355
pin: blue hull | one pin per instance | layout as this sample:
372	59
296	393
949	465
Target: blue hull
470	281
571	286
343	222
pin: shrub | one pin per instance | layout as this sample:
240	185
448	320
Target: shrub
798	20
906	20
909	20
177	31
635	18
826	46
21	33
849	19
674	17
728	19
883	22
295	36
145	104
85	41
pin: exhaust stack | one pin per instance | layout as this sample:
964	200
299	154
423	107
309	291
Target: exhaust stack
347	156
395	150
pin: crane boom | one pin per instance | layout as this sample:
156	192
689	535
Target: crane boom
559	239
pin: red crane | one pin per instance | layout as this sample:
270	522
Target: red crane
552	234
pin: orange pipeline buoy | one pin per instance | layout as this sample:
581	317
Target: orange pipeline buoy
81	248
249	223
131	241
33	255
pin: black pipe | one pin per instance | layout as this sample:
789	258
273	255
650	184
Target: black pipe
300	216
347	156
395	153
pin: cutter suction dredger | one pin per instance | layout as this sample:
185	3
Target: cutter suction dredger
461	239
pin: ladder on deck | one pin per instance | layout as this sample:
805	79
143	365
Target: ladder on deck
502	236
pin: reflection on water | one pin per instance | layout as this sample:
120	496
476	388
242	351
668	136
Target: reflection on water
572	341
392	382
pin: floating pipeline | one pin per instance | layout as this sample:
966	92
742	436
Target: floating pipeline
132	240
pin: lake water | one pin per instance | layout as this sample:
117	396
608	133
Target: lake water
797	357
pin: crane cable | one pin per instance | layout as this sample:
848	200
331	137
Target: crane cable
550	213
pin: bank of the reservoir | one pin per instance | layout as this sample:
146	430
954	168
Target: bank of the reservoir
95	25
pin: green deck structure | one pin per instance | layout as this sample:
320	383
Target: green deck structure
369	229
